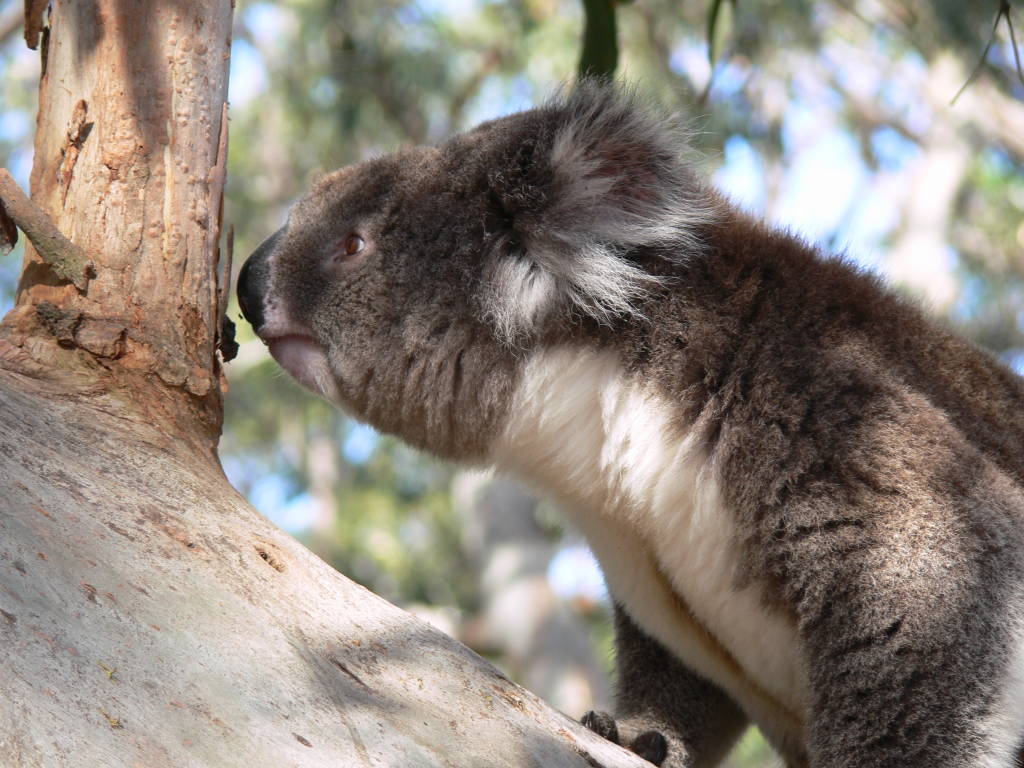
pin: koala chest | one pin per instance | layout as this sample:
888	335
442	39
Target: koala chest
644	496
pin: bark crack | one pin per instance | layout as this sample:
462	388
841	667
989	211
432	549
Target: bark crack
78	131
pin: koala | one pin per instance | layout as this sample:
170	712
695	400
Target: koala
807	497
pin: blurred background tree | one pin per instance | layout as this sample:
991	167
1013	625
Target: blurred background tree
832	118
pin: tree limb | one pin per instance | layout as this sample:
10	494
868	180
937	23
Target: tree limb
1004	11
67	260
600	53
1013	44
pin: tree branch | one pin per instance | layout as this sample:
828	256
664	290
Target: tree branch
67	260
1013	44
600	54
1004	11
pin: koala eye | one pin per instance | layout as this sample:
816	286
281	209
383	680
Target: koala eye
351	245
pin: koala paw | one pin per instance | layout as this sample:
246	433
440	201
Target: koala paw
650	745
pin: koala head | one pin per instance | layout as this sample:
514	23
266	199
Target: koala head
410	288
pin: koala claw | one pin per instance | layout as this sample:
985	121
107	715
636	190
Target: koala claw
650	745
602	724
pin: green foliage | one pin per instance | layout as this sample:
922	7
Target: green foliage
751	751
396	530
714	28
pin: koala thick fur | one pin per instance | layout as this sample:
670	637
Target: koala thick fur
806	496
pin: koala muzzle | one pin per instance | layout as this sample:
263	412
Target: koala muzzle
254	280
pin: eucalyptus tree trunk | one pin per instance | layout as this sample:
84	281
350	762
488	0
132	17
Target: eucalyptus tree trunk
148	615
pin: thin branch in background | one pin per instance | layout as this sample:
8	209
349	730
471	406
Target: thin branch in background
1013	44
1003	12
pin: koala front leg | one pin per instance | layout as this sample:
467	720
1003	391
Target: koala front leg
664	712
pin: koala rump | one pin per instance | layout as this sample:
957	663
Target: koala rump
806	496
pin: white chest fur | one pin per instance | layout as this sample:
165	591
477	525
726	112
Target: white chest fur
644	495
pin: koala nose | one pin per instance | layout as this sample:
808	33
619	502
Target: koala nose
254	279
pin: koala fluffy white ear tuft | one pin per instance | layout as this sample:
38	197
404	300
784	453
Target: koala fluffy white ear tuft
619	172
603	175
594	281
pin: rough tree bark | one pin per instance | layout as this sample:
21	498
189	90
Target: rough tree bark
148	615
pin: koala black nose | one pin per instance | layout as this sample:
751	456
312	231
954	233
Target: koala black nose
254	279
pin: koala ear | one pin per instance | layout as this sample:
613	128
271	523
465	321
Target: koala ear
599	175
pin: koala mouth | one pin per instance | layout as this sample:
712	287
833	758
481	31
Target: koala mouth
304	360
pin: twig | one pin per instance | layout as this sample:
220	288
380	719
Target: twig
1013	44
67	260
1004	11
